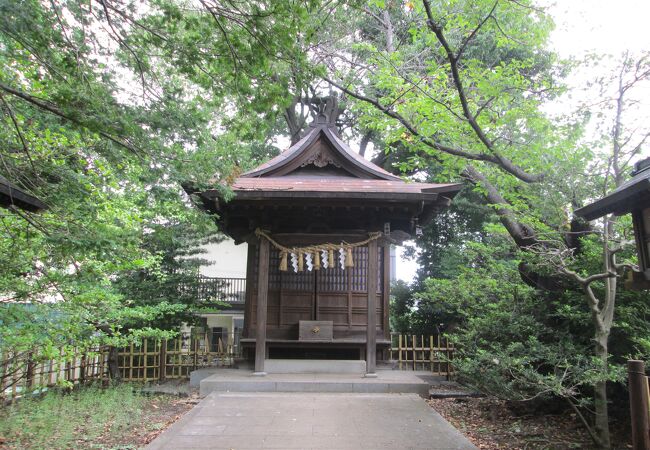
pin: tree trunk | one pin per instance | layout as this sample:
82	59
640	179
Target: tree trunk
601	422
294	125
113	367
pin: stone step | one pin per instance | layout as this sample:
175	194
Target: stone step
314	366
244	381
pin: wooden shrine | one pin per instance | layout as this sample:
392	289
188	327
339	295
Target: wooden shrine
319	220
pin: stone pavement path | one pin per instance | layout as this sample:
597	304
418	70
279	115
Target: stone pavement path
280	420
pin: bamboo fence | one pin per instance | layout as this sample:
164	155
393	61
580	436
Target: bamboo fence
172	359
26	371
433	353
157	360
149	360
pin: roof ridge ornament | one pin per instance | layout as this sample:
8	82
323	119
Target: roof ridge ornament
327	112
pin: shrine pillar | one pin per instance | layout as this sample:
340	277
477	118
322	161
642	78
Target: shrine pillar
262	300
371	330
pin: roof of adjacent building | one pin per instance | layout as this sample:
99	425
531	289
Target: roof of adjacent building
633	194
12	195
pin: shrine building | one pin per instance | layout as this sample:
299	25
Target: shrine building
319	220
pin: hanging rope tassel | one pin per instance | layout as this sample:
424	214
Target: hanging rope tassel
316	260
330	258
342	258
283	261
348	258
294	262
300	262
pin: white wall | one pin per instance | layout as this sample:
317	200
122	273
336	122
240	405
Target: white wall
229	260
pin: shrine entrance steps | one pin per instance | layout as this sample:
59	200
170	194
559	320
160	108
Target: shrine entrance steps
386	382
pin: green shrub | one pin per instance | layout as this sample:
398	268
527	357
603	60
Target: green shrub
71	419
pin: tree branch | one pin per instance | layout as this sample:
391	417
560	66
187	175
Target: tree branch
471	36
523	235
471	118
52	109
18	132
503	163
494	158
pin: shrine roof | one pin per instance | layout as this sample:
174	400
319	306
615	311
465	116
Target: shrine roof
319	183
337	186
337	153
321	165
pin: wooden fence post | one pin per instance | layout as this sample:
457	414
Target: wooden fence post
399	350
639	404
82	368
146	361
30	370
196	346
162	360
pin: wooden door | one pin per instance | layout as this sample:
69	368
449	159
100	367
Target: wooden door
328	294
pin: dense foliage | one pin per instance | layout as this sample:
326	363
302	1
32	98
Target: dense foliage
463	89
106	109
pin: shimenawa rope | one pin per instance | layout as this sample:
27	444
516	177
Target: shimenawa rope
316	252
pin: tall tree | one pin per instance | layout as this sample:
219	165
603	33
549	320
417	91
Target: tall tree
463	86
106	107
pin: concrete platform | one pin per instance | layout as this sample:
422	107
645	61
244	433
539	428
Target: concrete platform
311	421
386	382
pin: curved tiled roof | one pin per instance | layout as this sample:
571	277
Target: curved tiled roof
337	184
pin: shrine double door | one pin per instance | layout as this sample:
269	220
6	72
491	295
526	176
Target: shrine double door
334	294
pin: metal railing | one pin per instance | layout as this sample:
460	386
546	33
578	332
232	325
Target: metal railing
230	290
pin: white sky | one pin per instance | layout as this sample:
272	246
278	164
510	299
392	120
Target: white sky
604	26
584	27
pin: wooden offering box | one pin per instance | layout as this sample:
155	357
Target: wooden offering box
316	330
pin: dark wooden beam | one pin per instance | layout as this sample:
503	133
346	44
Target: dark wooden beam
371	331
386	289
251	285
262	299
12	196
640	420
347	195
